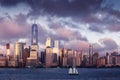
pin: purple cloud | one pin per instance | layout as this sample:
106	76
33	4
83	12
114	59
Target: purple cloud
15	28
107	44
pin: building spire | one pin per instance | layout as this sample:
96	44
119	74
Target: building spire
34	21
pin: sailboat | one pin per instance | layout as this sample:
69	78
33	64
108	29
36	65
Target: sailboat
73	70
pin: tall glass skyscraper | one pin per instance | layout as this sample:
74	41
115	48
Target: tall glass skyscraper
34	39
91	54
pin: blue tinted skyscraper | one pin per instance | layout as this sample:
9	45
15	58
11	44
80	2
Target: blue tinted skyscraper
34	39
91	54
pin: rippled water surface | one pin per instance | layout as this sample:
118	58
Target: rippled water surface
58	74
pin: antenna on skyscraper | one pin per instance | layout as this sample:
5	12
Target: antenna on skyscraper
34	21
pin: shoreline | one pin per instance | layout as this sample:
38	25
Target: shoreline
91	67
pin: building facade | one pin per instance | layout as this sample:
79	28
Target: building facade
19	53
90	55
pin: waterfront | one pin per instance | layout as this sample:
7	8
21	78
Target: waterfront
59	74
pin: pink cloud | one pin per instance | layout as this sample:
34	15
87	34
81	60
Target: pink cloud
106	45
11	29
64	32
77	44
114	27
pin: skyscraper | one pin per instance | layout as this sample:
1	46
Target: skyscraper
18	52
48	42
8	50
56	44
63	57
49	57
107	58
7	53
90	54
56	47
34	39
32	60
95	58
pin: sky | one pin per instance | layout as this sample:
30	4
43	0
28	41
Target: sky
75	23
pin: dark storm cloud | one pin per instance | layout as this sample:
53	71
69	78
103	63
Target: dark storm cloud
110	9
96	28
115	13
59	7
65	7
8	3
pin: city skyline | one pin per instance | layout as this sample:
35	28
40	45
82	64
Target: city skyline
76	24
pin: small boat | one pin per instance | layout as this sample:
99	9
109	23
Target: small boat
73	71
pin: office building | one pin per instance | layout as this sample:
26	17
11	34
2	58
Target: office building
56	44
48	57
19	53
48	42
70	57
26	54
118	60
8	51
64	63
55	60
33	60
2	61
85	60
113	58
43	55
90	54
34	39
107	58
77	58
82	52
95	57
102	61
63	57
56	48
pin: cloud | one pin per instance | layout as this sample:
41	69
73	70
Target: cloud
66	34
114	27
8	3
64	7
13	29
59	7
77	44
106	45
96	28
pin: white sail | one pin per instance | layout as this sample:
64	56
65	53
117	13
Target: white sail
76	72
70	71
73	71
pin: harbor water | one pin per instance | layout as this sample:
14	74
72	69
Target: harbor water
59	74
